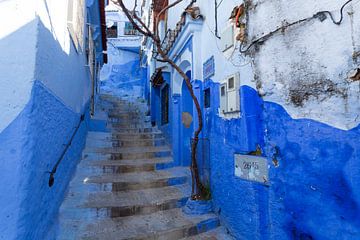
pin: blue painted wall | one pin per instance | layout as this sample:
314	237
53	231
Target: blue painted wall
314	170
30	146
128	77
34	140
314	191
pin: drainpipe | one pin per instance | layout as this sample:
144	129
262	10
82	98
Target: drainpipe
216	20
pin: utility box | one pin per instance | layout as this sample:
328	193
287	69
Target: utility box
230	94
233	93
227	38
223	98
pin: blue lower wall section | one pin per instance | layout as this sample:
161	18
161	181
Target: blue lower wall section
314	191
30	147
314	171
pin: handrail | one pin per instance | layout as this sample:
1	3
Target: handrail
53	171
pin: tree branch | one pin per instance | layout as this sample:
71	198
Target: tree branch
200	189
131	19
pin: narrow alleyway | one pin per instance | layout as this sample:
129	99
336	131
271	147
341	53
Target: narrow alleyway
118	191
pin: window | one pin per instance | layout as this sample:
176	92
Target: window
165	104
223	90
207	98
129	29
231	83
112	32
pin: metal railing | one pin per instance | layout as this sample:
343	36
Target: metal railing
53	171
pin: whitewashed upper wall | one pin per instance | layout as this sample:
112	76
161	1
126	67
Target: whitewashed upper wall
304	69
35	45
17	58
59	65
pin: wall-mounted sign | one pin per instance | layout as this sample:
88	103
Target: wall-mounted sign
209	68
252	168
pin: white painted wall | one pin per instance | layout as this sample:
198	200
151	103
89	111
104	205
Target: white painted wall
59	66
305	54
17	57
309	56
35	45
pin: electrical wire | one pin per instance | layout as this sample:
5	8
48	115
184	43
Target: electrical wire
282	28
331	15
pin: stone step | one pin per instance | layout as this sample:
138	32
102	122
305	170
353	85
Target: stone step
128	203
112	150
124	136
124	143
219	233
124	156
139	118
125	166
167	224
128	124
118	130
132	181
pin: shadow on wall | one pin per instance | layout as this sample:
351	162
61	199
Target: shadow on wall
31	145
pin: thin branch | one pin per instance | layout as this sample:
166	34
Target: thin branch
135	5
142	23
131	19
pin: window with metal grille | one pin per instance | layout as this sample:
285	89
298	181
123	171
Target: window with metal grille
207	98
165	104
112	32
129	29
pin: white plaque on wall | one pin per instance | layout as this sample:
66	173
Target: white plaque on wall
252	168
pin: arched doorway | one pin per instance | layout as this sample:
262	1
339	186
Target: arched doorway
187	123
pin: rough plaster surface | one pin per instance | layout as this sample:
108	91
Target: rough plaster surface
125	79
17	60
305	67
305	122
44	87
314	190
45	121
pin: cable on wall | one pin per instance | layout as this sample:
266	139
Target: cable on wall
319	15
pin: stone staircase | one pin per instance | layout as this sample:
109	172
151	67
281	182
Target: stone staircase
126	186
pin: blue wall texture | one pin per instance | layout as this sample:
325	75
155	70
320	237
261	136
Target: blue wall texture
314	169
128	77
314	173
30	147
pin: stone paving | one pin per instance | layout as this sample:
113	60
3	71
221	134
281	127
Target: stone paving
126	186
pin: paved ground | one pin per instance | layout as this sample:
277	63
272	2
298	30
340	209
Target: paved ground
118	193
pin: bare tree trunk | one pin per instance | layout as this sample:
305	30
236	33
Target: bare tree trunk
198	189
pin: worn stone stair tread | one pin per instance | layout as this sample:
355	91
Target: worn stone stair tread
139	177
114	132
110	140
138	197
127	198
167	224
108	156
139	129
219	233
129	162
127	149
117	191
